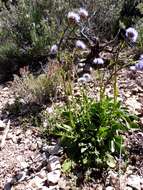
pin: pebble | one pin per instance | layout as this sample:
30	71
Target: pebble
5	89
11	101
33	146
54	163
54	176
2	125
14	139
39	143
110	188
24	165
36	183
28	132
19	158
42	174
18	132
134	181
128	188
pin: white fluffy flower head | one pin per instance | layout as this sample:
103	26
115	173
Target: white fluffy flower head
73	18
80	44
99	61
132	34
83	13
54	49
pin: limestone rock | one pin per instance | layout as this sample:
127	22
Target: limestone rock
54	176
134	181
54	163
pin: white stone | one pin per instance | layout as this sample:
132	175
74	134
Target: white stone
42	174
5	89
110	188
128	188
18	132
9	136
37	182
11	101
134	181
20	158
54	176
87	76
133	103
33	146
54	163
39	143
24	165
28	132
14	139
2	124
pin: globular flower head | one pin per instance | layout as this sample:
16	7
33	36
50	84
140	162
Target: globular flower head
132	34
139	65
54	49
99	61
83	13
80	44
73	18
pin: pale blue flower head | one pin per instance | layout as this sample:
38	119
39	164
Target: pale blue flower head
98	61
54	49
80	44
139	65
83	13
73	18
131	34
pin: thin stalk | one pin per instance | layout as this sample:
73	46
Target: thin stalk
115	88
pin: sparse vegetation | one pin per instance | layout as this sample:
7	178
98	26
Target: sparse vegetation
51	48
91	131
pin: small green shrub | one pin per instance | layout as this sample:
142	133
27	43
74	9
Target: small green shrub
41	88
91	131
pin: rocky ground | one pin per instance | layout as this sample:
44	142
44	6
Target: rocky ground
29	162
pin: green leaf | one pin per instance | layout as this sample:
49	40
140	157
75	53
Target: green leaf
110	161
64	127
67	165
103	132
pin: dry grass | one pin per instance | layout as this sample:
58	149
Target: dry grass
42	88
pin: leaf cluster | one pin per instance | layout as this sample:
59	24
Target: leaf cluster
91	131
